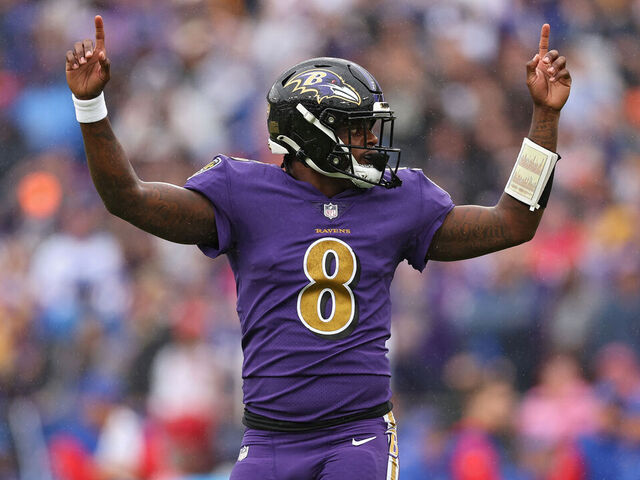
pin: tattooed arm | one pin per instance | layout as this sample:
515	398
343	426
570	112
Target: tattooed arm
168	211
469	230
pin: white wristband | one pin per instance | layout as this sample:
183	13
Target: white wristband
92	110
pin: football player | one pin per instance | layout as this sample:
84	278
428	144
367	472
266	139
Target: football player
314	245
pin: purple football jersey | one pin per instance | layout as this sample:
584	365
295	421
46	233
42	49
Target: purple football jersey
312	276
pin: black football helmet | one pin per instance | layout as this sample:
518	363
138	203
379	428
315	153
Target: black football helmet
314	100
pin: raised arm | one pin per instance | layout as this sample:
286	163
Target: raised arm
469	230
168	211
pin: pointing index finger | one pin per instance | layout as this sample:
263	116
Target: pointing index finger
543	47
99	32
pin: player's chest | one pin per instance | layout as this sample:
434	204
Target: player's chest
324	236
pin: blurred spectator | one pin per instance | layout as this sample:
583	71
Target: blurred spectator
475	450
613	449
84	296
424	439
552	415
617	374
78	271
615	320
120	448
187	394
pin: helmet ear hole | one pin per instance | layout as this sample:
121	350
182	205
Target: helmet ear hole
332	118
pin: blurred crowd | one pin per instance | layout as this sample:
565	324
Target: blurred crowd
120	353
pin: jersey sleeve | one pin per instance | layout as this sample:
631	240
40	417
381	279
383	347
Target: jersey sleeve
212	182
435	205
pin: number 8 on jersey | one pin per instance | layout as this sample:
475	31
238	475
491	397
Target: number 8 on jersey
329	284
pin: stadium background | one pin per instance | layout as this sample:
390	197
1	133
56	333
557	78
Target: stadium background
119	353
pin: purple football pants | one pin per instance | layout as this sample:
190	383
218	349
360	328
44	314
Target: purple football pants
360	450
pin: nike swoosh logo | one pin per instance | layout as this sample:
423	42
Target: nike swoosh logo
357	443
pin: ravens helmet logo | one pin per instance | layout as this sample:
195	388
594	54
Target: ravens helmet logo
324	84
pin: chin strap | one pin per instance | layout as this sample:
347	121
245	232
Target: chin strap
377	159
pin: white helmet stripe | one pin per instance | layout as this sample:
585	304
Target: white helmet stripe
313	120
278	149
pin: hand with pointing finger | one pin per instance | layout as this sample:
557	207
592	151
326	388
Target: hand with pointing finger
548	79
87	65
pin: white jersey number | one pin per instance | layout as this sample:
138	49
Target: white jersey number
329	284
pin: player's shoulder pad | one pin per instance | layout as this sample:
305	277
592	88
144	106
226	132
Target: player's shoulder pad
418	173
232	161
255	162
245	163
410	171
218	159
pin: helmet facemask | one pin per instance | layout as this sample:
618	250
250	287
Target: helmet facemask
373	134
333	156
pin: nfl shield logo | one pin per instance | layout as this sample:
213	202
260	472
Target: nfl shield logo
330	211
